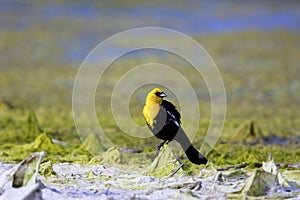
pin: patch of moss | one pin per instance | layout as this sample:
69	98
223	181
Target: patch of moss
96	159
74	158
268	96
92	144
112	156
32	127
163	164
248	132
16	153
46	169
43	143
229	154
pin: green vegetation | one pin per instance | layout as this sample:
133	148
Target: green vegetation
261	76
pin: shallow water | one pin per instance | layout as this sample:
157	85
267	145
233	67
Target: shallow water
88	23
194	17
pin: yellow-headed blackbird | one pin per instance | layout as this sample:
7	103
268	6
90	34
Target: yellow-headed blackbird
163	120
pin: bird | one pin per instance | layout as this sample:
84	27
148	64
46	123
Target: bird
164	121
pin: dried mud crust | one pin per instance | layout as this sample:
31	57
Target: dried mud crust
97	181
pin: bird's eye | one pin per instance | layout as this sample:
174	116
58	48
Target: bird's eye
158	94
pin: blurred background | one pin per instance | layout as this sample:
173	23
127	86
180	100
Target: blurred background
255	44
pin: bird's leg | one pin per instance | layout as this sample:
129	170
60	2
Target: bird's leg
159	147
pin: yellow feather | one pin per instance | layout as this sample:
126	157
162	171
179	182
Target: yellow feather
152	106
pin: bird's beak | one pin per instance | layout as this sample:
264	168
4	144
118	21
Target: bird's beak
162	95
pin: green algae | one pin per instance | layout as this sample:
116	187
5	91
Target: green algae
46	169
258	97
229	154
43	143
32	127
164	164
139	160
113	156
248	132
223	154
96	159
92	144
236	174
89	151
73	158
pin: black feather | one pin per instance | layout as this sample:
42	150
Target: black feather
167	127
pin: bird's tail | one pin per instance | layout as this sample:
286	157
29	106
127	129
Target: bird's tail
193	155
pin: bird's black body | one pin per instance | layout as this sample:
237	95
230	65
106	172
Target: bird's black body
166	125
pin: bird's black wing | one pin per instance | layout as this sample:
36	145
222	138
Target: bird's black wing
172	113
167	128
166	122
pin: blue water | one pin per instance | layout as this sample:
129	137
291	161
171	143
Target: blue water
83	25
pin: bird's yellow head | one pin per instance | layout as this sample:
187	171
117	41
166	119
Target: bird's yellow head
152	107
155	96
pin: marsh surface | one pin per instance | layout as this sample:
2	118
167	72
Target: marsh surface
42	46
